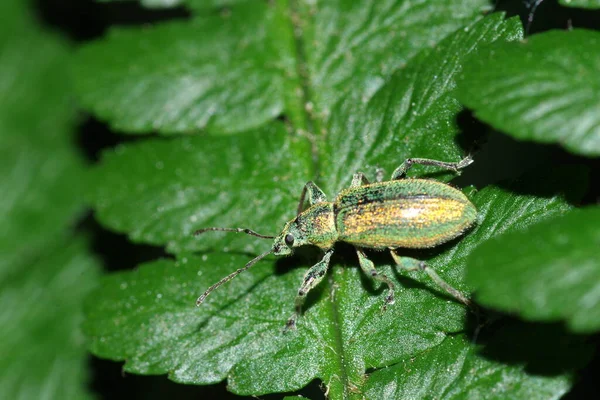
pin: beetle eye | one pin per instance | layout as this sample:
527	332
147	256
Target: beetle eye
289	239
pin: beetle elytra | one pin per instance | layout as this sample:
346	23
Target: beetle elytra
390	215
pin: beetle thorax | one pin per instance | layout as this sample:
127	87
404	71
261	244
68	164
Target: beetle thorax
317	224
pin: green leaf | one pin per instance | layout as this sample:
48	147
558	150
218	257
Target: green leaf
348	47
551	273
181	76
591	4
38	165
543	89
43	351
147	316
514	206
499	367
414	114
159	191
238	70
44	272
238	332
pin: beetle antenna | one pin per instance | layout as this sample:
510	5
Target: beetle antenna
244	230
230	277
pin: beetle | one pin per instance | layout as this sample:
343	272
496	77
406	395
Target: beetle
400	213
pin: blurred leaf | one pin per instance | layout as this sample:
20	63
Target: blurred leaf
543	89
195	4
44	272
591	4
40	169
151	3
237	70
43	351
551	273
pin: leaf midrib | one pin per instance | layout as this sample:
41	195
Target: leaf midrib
338	340
312	127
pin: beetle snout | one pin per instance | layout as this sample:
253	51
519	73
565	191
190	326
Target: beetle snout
281	249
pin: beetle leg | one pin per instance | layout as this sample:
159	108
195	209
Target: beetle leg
359	179
406	165
369	268
311	279
315	195
410	264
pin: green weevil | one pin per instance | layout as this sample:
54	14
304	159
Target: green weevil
400	213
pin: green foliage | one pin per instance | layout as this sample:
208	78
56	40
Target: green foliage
234	71
44	271
188	84
591	4
147	316
456	369
551	273
278	93
160	191
43	350
415	112
544	88
171	188
38	162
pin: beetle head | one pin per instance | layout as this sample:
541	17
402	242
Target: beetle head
290	237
